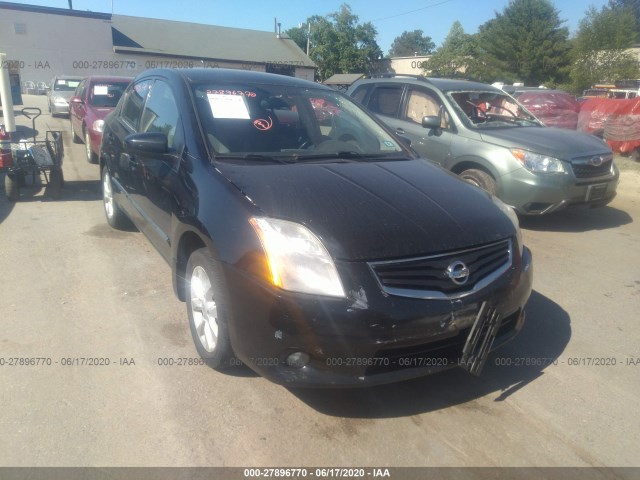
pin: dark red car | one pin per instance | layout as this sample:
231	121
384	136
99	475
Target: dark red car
554	108
94	98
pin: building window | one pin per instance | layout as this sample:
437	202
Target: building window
20	28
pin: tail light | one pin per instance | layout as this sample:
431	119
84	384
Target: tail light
6	160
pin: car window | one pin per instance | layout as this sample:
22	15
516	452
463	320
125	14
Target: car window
360	93
106	94
161	114
385	100
133	103
287	121
65	85
488	109
80	89
422	103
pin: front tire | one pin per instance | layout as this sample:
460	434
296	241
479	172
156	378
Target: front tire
481	179
91	157
74	135
115	216
208	309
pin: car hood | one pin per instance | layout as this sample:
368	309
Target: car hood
555	142
63	94
370	211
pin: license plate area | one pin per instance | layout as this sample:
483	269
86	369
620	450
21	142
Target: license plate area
478	345
596	192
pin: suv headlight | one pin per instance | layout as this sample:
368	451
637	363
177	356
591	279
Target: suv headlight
298	261
510	212
534	162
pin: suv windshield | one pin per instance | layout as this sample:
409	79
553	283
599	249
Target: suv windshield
289	123
106	94
483	109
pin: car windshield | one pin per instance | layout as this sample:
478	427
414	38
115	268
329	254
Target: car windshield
65	85
106	94
288	123
482	109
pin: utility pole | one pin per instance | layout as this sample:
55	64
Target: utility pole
308	37
70	4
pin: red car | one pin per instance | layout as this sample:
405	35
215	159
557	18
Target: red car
554	108
94	98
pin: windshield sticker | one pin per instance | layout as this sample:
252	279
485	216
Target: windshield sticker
242	93
388	143
262	124
61	82
228	106
101	90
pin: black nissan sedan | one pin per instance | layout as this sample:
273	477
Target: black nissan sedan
308	241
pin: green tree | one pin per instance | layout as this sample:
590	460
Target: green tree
525	42
631	6
600	48
455	56
339	44
411	43
299	35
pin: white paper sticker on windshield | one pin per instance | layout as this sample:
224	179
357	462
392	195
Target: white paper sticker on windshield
228	106
101	90
61	82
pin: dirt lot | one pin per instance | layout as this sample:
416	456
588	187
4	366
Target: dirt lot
563	393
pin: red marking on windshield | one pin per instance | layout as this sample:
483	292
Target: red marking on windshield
262	124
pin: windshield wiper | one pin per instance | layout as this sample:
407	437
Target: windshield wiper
348	156
253	157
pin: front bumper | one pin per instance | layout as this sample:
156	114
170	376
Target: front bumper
59	109
369	338
539	194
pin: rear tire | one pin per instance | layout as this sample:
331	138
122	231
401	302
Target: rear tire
480	179
12	187
115	216
208	309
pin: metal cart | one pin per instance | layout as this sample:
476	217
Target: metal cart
41	159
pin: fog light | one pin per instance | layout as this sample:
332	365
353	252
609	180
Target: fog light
298	359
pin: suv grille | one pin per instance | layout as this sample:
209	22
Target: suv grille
583	169
427	277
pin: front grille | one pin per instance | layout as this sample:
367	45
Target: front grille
438	355
583	169
427	277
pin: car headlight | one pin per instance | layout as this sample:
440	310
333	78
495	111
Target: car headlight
534	162
511	213
98	126
60	101
298	261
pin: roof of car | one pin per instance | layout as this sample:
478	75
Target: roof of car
443	84
108	78
225	75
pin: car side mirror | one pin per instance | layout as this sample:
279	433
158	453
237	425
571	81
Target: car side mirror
152	143
431	122
75	99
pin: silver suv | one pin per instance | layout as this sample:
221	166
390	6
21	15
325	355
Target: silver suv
486	137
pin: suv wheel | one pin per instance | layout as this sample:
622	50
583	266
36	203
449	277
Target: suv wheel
480	179
208	309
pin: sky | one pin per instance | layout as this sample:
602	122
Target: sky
433	17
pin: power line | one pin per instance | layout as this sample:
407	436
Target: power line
412	11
